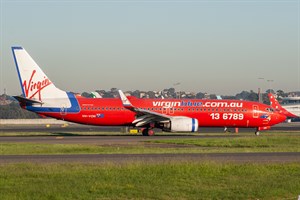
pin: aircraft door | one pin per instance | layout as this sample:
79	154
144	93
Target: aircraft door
168	111
255	111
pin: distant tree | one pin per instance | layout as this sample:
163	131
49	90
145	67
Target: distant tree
108	95
136	93
228	97
200	95
14	111
171	90
101	92
86	94
281	93
243	95
151	94
253	96
213	96
114	90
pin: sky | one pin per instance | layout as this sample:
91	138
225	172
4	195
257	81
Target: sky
217	46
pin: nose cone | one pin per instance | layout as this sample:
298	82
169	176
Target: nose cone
278	118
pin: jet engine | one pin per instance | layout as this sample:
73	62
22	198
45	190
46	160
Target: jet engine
181	124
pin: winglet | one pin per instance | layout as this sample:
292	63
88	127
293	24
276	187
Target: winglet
125	101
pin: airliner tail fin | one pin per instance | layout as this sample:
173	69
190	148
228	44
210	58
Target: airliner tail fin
275	104
34	82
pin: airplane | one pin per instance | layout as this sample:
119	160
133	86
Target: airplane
96	95
40	95
276	105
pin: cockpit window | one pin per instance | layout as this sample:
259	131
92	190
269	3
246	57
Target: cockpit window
270	109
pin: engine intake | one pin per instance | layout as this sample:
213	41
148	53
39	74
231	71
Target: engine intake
182	124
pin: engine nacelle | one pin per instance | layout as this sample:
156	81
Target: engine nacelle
182	124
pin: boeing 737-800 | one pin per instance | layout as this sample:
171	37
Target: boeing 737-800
40	95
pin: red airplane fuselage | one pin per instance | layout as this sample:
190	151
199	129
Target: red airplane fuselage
209	113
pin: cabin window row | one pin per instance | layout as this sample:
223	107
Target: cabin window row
172	109
198	109
103	108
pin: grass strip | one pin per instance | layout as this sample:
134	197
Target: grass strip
243	144
149	181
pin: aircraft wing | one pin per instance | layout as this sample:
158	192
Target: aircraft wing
144	116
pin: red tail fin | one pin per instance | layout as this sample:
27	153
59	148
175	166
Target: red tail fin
275	104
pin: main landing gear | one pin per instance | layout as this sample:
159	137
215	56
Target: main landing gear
148	132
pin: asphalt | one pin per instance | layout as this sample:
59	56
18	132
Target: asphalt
100	140
295	126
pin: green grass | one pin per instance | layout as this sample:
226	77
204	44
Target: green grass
32	148
267	143
62	133
149	181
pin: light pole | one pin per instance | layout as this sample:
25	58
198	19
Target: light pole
176	84
260	90
270	84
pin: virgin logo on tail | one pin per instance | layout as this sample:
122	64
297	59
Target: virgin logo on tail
35	87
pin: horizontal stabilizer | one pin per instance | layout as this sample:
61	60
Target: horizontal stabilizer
24	100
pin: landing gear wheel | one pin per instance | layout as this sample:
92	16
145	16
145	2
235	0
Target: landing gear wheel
151	132
148	132
257	133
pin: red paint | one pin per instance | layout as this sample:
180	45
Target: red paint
116	115
35	86
275	104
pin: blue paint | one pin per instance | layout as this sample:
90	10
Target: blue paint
17	66
193	125
75	108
